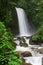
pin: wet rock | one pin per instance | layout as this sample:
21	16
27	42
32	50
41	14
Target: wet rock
14	39
27	37
23	44
26	54
40	50
25	64
19	38
35	42
17	42
23	39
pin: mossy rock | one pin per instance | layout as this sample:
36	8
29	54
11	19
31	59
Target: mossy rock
33	42
26	54
23	44
23	39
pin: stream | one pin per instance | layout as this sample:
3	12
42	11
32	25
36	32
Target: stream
32	54
36	58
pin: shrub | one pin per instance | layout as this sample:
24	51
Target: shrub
7	54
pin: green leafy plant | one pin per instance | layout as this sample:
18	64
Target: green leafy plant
7	54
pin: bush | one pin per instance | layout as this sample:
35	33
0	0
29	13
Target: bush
7	54
39	35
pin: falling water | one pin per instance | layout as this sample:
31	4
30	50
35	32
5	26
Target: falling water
25	30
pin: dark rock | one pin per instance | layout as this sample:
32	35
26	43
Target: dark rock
23	44
35	42
26	54
23	39
25	64
19	38
32	42
28	37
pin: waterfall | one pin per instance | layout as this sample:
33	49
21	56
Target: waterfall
25	28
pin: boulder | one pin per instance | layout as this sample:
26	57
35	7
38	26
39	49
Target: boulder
23	44
26	54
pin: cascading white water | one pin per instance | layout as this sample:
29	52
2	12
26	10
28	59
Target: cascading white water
24	26
34	60
26	30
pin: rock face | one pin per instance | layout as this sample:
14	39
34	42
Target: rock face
25	64
26	54
23	44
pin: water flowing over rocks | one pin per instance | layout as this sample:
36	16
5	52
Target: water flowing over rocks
32	54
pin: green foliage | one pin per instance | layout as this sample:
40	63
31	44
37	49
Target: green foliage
10	59
39	35
3	9
7	54
34	10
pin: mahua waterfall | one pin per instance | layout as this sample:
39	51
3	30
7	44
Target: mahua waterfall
25	31
25	28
